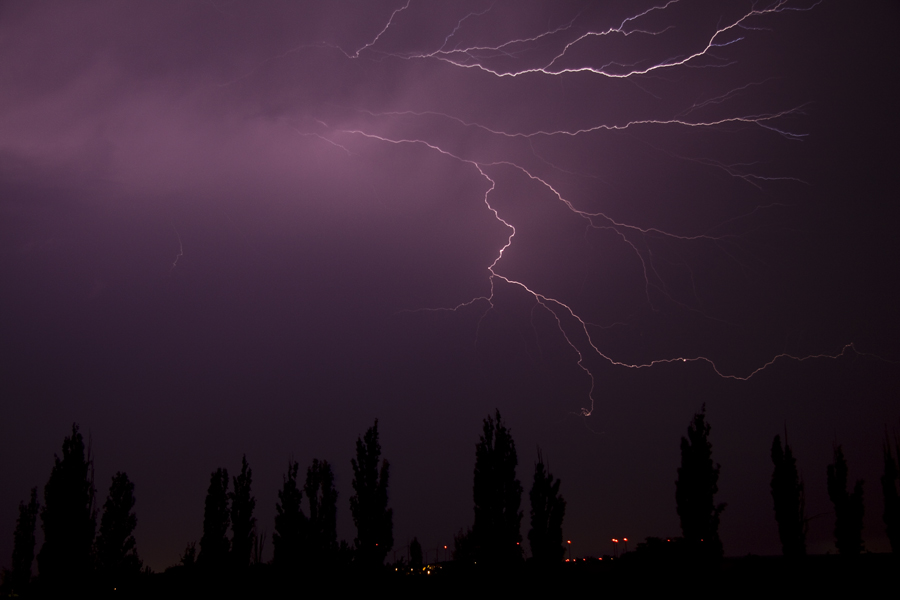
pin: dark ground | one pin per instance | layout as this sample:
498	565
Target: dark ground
630	574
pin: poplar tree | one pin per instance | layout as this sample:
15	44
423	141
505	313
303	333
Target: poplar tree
117	557
23	544
290	522
321	540
415	556
373	519
496	535
547	511
848	506
243	523
695	489
214	545
68	517
787	493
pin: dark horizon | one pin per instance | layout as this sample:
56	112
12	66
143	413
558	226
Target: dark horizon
220	225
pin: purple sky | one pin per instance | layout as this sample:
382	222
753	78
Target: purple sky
219	222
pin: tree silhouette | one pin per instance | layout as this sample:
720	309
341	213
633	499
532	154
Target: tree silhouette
259	547
243	523
464	546
889	481
415	555
68	517
848	507
322	533
373	519
787	493
547	511
23	544
117	557
290	522
189	556
695	489
496	536
214	545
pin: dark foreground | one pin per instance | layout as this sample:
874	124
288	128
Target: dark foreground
751	575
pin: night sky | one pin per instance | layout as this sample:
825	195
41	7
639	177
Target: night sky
238	227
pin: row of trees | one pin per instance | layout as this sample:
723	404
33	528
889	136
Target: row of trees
305	533
72	555
72	550
495	536
788	494
302	538
697	485
308	538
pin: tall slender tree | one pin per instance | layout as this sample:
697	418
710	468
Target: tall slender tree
889	481
68	516
547	511
290	522
787	493
243	523
23	544
496	532
369	504
848	506
695	489
415	555
214	545
117	558
322	543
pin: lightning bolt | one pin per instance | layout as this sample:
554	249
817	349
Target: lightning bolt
571	38
383	31
559	309
180	250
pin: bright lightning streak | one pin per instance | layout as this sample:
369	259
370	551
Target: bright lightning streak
574	329
760	120
471	53
180	250
559	309
382	32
